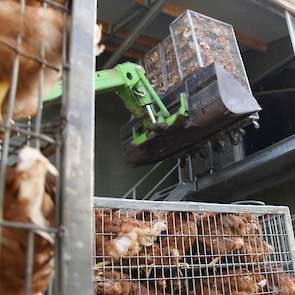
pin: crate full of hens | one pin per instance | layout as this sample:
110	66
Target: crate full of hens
196	248
200	40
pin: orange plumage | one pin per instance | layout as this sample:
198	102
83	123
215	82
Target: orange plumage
37	28
235	283
115	283
29	200
126	236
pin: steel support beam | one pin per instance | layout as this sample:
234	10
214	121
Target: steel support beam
291	27
127	19
118	40
272	7
277	91
154	10
264	169
273	70
78	154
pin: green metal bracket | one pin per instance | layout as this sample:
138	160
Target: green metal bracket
129	82
54	94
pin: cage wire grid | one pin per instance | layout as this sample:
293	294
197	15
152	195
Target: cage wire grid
51	136
202	249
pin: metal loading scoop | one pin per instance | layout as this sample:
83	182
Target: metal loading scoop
216	101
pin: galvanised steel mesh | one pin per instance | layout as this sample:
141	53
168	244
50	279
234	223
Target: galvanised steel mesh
192	248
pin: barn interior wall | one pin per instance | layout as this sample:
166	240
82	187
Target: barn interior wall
257	64
112	176
282	195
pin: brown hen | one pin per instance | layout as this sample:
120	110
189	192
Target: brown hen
239	283
179	239
115	283
255	248
37	27
27	201
220	234
280	283
237	236
120	236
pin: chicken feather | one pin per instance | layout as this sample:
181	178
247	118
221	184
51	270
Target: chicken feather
27	200
234	283
37	27
115	283
124	235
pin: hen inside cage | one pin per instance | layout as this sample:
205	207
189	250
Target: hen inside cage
168	252
200	40
33	50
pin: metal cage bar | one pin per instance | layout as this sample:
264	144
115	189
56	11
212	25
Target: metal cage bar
64	133
78	151
15	135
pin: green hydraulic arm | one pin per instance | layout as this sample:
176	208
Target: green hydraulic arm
129	82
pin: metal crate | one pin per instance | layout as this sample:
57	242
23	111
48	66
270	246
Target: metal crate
200	40
63	131
161	66
153	67
171	71
202	248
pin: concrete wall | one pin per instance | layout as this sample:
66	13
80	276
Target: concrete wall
283	194
257	63
112	176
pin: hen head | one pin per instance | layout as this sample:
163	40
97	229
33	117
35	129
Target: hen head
32	161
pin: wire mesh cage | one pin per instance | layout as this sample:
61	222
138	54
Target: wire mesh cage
171	71
196	248
36	52
161	66
200	40
153	67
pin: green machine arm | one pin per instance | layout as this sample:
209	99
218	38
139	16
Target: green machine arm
129	82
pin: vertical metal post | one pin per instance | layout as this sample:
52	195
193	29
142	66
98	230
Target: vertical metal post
77	185
291	27
179	170
238	151
29	262
210	155
190	167
290	237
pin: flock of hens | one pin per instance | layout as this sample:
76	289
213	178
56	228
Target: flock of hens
146	242
165	247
